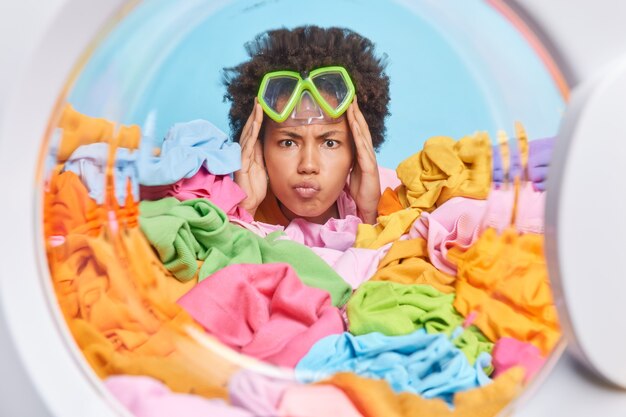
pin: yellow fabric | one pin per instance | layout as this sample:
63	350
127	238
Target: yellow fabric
407	263
79	129
119	302
375	398
503	279
445	168
69	209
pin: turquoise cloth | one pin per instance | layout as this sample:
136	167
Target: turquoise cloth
184	232
420	363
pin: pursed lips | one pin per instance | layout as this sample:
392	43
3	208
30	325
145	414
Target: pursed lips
306	189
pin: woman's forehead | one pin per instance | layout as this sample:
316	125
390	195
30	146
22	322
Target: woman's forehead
315	130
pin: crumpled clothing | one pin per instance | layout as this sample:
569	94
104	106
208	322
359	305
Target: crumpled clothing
147	397
186	148
539	157
184	232
89	162
513	164
530	214
445	168
407	262
316	401
70	210
336	234
395	309
263	311
375	398
420	363
502	283
508	353
499	210
456	223
220	189
78	129
120	311
355	265
259	394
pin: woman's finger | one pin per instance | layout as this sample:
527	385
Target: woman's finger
245	132
361	119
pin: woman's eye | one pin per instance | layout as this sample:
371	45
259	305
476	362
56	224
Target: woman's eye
287	143
331	143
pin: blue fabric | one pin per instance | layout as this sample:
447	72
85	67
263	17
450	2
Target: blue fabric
420	363
89	162
186	148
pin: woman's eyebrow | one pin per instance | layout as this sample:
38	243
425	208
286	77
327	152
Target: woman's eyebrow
329	133
292	135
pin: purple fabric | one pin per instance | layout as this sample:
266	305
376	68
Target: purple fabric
539	156
515	166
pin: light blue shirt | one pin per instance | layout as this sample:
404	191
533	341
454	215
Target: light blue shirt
186	148
420	363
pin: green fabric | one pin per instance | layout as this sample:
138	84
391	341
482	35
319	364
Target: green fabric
396	309
184	232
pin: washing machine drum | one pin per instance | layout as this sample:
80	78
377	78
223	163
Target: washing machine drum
177	300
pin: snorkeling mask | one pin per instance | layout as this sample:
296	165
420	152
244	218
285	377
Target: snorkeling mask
322	96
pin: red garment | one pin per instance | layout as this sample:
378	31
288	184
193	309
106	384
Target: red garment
264	311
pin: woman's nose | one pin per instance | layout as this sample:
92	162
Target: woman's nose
309	161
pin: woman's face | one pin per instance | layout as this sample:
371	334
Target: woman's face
308	166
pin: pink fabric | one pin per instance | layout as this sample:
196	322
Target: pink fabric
338	234
316	401
508	353
258	228
499	208
388	178
147	397
221	190
355	265
346	206
456	223
530	209
264	311
257	393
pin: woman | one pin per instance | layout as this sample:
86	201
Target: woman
308	144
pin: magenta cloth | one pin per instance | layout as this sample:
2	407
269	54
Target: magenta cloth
264	311
259	394
456	223
316	401
531	205
338	234
220	189
147	397
508	353
355	265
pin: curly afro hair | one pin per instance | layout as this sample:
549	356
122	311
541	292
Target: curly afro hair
304	49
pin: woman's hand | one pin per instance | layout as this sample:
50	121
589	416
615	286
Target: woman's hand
364	179
252	177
